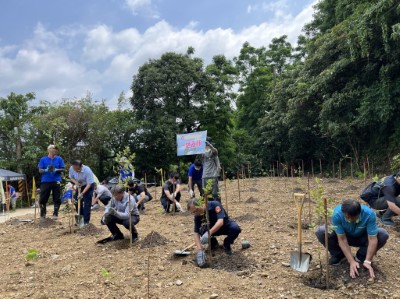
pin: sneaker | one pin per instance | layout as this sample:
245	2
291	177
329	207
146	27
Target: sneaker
336	260
42	219
95	207
55	217
387	222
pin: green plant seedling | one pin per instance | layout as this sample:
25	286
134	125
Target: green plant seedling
32	254
104	273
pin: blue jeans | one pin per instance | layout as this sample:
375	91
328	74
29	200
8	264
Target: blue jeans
86	203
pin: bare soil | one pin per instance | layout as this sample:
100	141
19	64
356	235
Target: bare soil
72	265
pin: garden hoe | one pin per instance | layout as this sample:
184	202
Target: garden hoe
184	251
79	218
299	260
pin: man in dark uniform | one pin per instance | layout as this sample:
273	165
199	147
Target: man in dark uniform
140	193
383	195
171	193
220	224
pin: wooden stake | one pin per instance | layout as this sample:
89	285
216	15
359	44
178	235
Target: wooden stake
309	198
326	241
238	181
226	192
273	169
312	167
368	169
249	169
333	169
302	167
351	167
145	180
320	167
365	174
155	186
340	169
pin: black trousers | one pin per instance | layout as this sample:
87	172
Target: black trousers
46	189
166	203
115	231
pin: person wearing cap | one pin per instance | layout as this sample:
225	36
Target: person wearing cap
211	169
82	176
102	194
171	194
195	174
220	224
383	196
354	225
119	209
51	167
140	193
126	172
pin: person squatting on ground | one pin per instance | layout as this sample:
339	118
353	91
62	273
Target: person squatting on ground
220	224
195	174
354	225
102	194
51	167
211	168
140	193
383	196
119	209
171	193
82	176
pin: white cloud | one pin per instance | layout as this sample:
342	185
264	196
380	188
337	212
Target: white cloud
107	59
279	8
144	6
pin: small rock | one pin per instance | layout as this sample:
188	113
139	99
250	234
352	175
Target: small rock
139	273
159	285
161	268
213	296
264	274
371	281
178	282
55	256
285	264
27	264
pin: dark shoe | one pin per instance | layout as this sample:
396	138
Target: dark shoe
135	238
110	239
336	260
379	214
387	222
228	250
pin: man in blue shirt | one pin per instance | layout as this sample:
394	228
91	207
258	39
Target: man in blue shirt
195	174
51	167
353	225
220	224
82	176
13	197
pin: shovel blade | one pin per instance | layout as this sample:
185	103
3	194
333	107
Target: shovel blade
181	252
79	221
300	261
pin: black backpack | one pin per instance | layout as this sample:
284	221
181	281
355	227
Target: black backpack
373	191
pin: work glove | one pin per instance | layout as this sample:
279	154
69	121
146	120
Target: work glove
80	196
50	168
178	206
201	258
113	212
191	193
204	238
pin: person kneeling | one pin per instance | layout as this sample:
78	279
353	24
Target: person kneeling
354	225
119	209
220	224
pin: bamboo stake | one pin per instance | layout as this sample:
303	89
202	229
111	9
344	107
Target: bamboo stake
368	169
238	180
249	169
320	167
226	192
340	169
365	174
145	180
155	186
333	169
351	167
326	241
302	168
8	199
273	169
309	198
312	167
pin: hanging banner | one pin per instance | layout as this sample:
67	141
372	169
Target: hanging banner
191	144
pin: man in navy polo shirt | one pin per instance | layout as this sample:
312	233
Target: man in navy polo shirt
195	174
220	224
82	176
51	167
353	225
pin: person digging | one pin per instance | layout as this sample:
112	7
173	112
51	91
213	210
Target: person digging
119	209
220	224
354	226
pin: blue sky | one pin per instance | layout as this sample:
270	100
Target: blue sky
63	49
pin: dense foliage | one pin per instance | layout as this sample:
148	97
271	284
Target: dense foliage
333	98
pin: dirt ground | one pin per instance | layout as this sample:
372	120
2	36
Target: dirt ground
74	266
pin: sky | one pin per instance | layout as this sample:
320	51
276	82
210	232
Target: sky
65	49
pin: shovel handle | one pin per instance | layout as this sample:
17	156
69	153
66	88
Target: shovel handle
299	201
190	246
79	200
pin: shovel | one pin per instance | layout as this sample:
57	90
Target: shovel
184	251
299	261
79	218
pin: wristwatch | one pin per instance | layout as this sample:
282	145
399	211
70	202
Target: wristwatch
367	262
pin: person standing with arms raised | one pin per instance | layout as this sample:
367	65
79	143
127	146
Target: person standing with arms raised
51	167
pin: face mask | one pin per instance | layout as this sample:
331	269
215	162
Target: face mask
208	150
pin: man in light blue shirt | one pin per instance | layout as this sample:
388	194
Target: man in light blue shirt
82	176
353	225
